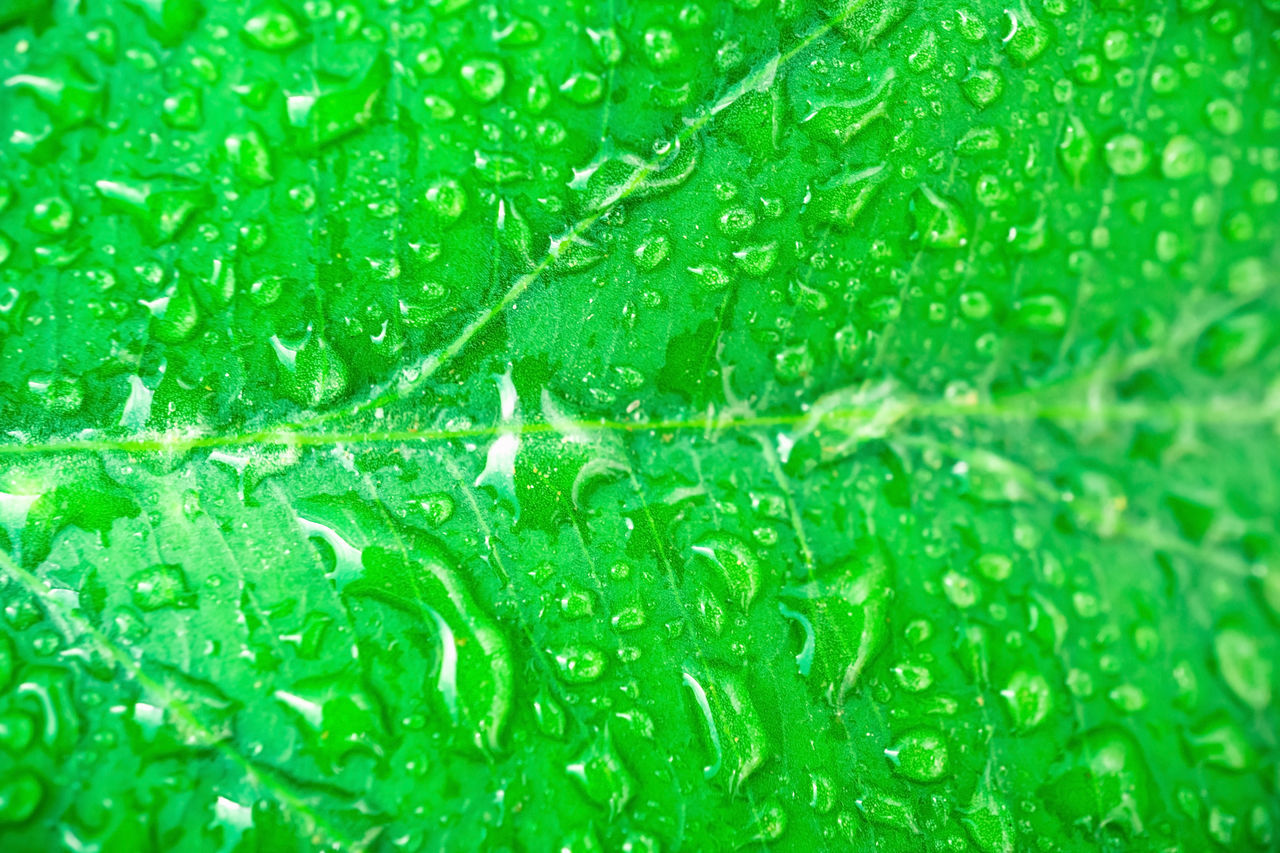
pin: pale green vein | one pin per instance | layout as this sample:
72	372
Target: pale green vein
1219	413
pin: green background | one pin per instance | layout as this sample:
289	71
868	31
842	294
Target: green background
803	424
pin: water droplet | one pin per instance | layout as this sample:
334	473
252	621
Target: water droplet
1026	39
989	822
446	200
272	28
736	221
1127	154
1243	664
21	794
482	79
1029	699
848	610
914	676
920	755
1076	148
839	122
1182	158
651	252
960	589
1043	312
735	735
600	772
938	221
163	585
711	277
770	822
629	618
607	44
661	48
16	731
577	603
1220	742
738	567
324	113
160	208
841	201
983	87
581	663
884	809
1105	781
1224	116
250	156
312	375
583	88
52	216
182	110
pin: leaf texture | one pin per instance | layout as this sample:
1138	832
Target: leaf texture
769	424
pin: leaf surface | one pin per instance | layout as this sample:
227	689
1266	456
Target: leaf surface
791	424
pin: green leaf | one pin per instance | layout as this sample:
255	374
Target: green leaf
710	425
